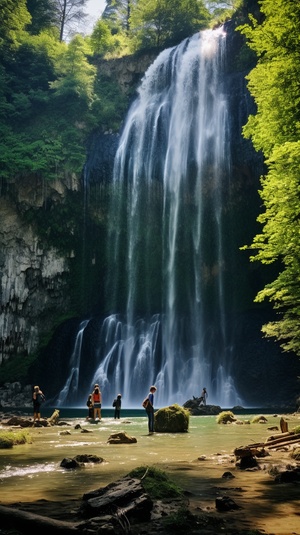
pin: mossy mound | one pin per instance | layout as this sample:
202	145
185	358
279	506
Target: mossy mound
156	483
226	417
8	439
172	419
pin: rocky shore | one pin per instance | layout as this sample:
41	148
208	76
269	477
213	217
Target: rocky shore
126	507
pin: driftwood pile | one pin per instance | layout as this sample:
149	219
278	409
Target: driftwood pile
247	455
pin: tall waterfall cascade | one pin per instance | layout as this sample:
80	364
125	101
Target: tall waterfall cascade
168	298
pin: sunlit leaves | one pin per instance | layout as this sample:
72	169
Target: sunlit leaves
274	129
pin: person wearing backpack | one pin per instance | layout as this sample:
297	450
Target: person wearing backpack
37	398
117	405
150	409
89	404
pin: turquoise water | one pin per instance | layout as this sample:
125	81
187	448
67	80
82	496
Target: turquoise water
32	471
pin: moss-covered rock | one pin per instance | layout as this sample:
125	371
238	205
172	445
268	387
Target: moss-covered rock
172	419
226	417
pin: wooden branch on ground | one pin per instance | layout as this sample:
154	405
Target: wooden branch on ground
284	443
34	524
275	441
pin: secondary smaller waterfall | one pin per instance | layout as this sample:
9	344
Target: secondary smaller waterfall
168	289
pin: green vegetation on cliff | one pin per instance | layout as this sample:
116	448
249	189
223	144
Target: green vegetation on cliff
274	130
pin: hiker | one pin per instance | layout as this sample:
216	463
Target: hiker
37	398
150	409
97	400
89	404
117	405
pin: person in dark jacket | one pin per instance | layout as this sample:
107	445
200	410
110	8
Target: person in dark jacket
37	399
117	404
150	409
89	404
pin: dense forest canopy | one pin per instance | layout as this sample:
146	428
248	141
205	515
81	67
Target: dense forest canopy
52	98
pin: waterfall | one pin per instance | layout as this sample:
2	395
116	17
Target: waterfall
168	246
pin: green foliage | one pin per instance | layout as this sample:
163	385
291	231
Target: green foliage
275	129
296	429
156	483
225	416
43	15
75	75
111	104
166	23
104	42
14	17
8	439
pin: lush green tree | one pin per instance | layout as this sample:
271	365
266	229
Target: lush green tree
161	23
274	129
44	15
14	18
75	75
102	40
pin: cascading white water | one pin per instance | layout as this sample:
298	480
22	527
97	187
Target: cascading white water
170	168
165	287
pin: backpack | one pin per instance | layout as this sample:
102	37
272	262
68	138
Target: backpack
40	398
114	403
145	403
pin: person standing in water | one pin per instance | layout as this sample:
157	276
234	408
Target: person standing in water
97	401
37	398
150	409
117	405
89	404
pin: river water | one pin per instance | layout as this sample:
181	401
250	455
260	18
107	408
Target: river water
32	471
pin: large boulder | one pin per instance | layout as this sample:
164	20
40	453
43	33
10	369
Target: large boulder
126	496
172	419
195	409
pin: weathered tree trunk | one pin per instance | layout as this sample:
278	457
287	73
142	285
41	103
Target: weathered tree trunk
35	524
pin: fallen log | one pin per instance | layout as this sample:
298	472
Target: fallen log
287	438
271	443
284	443
35	524
280	436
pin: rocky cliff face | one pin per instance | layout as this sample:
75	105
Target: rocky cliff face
34	278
